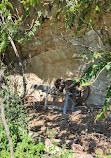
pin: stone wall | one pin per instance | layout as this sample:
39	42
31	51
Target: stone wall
48	57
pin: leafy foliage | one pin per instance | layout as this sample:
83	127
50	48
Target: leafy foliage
4	42
98	155
96	70
80	13
25	146
53	150
22	143
13	26
99	62
14	113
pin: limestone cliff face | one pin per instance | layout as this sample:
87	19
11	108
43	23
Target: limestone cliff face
49	57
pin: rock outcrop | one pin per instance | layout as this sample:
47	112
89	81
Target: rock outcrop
48	57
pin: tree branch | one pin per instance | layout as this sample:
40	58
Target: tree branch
81	45
20	64
6	128
30	27
18	58
89	83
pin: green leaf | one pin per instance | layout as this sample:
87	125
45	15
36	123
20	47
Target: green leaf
83	54
37	23
108	75
86	84
7	12
74	57
9	16
2	5
96	55
108	66
39	14
94	66
9	4
16	22
101	115
31	2
92	60
82	81
58	12
25	2
21	1
97	9
76	80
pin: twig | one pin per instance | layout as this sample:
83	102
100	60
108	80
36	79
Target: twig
30	27
81	45
17	13
6	128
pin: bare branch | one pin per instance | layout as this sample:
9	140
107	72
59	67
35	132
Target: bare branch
17	13
74	44
20	64
30	27
6	128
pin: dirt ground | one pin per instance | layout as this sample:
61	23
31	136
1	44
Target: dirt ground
77	130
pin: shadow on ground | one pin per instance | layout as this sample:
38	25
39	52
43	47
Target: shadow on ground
77	130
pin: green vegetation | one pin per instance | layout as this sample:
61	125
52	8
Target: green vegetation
98	155
14	111
22	143
13	26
